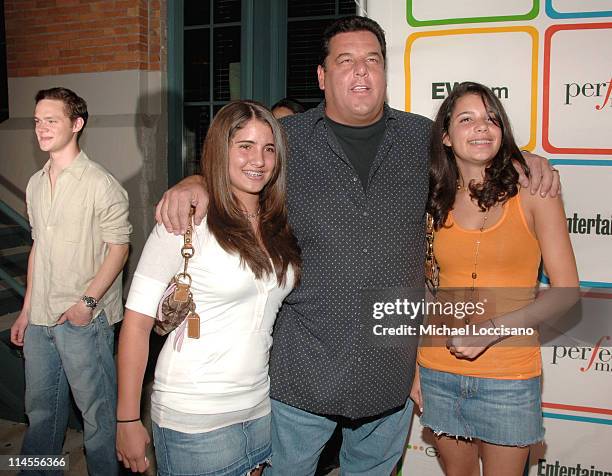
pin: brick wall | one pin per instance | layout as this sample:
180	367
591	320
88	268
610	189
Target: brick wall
50	37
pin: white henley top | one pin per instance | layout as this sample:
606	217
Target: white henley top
221	378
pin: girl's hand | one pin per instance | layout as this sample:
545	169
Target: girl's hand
132	441
472	345
415	392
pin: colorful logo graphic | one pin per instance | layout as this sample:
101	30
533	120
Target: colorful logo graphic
418	449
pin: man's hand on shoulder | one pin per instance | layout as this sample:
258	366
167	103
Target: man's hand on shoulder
78	314
173	208
543	177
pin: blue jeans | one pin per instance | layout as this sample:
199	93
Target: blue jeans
63	358
233	450
370	447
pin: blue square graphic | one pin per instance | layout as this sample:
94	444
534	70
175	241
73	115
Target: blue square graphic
552	13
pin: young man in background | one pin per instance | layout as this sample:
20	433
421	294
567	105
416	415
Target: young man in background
79	218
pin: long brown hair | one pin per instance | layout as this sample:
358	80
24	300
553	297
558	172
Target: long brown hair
225	219
501	178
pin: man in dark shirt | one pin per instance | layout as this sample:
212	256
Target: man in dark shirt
357	189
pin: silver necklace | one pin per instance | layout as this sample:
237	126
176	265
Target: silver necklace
251	216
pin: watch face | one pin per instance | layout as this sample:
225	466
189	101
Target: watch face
89	302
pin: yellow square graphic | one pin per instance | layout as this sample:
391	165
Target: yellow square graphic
446	36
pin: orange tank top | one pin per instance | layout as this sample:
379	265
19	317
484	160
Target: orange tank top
508	261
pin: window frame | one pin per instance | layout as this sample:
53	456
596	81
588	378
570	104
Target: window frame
263	65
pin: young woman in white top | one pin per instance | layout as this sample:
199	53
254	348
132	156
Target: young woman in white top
210	402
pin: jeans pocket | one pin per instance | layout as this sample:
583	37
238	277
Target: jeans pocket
77	326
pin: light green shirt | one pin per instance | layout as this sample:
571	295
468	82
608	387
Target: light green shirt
71	228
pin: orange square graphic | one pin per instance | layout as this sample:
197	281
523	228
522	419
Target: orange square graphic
533	61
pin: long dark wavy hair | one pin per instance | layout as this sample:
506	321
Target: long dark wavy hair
501	178
225	218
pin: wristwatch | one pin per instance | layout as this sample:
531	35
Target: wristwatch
90	302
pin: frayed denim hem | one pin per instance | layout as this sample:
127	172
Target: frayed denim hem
264	463
470	439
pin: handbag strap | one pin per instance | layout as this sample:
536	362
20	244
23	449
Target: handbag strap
429	234
187	251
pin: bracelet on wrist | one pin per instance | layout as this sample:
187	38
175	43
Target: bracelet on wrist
128	421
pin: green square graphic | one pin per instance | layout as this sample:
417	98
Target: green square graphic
412	21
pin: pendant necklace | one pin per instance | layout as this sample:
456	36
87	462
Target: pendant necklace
461	187
475	294
477	249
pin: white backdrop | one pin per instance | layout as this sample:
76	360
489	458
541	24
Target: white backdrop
550	62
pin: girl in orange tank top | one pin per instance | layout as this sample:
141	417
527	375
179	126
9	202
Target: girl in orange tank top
480	391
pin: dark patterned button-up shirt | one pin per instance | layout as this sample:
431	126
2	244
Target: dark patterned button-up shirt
352	240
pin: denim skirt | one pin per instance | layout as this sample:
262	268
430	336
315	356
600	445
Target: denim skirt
497	411
234	450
